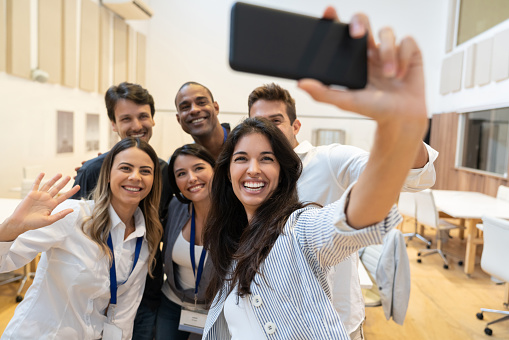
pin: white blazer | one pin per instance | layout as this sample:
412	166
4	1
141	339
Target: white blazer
293	298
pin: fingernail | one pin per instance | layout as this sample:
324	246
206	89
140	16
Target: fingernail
356	29
389	69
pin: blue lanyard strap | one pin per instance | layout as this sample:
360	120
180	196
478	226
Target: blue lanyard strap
202	257
225	134
113	272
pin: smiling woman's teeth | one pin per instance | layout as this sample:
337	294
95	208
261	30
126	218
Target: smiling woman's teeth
132	189
253	186
196	188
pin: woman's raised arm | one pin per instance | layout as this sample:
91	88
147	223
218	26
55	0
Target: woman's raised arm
35	209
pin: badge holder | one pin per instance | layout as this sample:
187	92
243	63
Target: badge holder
192	320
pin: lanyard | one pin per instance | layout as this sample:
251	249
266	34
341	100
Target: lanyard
113	272
202	257
225	134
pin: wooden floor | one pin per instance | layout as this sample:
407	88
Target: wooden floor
443	303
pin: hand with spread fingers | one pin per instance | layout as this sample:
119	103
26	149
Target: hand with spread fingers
395	86
35	209
394	97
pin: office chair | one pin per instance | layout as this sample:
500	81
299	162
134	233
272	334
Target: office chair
427	215
408	208
503	193
494	260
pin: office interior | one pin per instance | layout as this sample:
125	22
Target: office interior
58	57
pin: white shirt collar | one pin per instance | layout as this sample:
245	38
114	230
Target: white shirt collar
139	223
303	147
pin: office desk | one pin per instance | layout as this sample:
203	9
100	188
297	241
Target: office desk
470	207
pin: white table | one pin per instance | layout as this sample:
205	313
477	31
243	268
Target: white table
470	207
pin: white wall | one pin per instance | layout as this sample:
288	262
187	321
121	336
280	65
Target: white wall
188	40
492	95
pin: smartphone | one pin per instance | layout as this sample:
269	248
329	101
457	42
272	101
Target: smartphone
289	45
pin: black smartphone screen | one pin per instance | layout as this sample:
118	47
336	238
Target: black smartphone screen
289	45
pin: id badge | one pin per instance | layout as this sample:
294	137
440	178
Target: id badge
192	320
111	332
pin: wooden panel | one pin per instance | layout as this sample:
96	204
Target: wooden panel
483	62
104	50
50	39
89	46
443	138
69	50
500	57
119	50
141	59
18	38
3	37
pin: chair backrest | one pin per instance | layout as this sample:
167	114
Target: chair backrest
406	204
427	213
495	254
503	193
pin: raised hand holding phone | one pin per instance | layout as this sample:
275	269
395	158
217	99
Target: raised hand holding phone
289	45
394	97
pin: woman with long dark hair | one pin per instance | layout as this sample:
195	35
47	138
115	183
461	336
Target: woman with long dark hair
89	281
186	265
272	255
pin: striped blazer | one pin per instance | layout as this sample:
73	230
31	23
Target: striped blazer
293	298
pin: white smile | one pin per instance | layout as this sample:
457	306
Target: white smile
137	135
196	188
253	186
133	189
197	120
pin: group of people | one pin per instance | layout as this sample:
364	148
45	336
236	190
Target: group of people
259	232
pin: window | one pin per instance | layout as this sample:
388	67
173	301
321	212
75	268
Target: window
485	141
477	16
327	136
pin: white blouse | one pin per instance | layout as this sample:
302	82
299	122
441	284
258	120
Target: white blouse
242	322
71	288
184	275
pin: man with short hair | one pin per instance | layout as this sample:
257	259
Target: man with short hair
197	115
131	112
326	184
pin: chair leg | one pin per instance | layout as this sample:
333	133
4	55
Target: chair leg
504	318
505	313
419	236
506	295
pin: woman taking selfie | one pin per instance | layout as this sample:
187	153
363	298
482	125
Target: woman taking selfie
272	255
187	269
112	238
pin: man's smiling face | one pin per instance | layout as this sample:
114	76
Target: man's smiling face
196	112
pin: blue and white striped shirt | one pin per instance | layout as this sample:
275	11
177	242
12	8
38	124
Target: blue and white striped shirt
293	298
